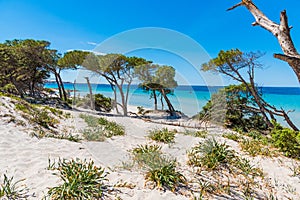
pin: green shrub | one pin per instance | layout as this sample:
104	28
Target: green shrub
210	154
102	103
81	180
113	129
287	140
231	136
166	176
11	190
255	147
94	134
44	119
247	169
90	120
99	128
147	155
144	149
201	134
163	135
159	169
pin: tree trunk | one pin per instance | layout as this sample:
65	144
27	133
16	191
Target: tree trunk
281	31
91	93
74	94
124	105
58	85
155	99
62	88
162	102
170	106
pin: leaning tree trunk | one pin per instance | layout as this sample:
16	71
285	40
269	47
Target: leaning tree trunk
62	88
58	85
281	31
170	106
91	93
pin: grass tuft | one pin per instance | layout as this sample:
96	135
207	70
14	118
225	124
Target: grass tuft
210	154
100	128
12	190
162	135
81	180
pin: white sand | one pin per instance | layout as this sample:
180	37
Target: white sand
23	156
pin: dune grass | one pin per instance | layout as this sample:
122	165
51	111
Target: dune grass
162	135
81	180
10	189
100	128
160	169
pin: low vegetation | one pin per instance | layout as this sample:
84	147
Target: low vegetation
100	128
101	102
225	165
231	136
81	180
287	140
210	154
255	147
10	189
162	135
199	133
160	169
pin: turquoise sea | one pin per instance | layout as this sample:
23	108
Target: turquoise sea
190	99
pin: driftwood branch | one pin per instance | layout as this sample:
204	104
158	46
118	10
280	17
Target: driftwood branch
281	31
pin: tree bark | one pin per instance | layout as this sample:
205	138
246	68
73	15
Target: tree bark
281	31
91	93
155	99
170	106
62	88
58	86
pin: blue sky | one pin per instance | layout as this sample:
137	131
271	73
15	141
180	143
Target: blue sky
82	24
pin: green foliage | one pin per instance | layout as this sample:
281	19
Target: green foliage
230	107
94	134
37	115
102	103
69	137
199	133
166	176
210	154
146	149
247	169
147	155
24	66
81	180
287	140
160	169
231	136
163	135
12	190
100	128
90	120
255	147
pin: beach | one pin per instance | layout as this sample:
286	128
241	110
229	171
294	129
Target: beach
25	156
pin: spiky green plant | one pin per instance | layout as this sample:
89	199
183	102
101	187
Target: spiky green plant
210	154
101	126
162	135
81	180
12	190
147	155
166	176
255	147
